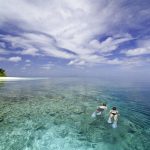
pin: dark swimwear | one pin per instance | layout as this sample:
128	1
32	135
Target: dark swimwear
114	113
99	109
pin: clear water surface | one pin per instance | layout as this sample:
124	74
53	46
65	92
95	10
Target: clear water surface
55	114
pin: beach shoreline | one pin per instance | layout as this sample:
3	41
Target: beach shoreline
18	78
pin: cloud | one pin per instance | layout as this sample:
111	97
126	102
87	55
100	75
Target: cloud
27	65
115	61
95	51
52	51
143	48
15	59
87	60
27	61
36	44
71	29
77	62
110	44
30	51
11	59
2	59
68	21
47	66
129	62
2	45
3	51
25	45
138	51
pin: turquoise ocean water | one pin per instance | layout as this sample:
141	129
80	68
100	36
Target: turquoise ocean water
55	114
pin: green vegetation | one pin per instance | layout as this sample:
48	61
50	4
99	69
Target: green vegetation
2	73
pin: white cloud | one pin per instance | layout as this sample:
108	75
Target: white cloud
27	61
47	66
52	51
77	62
15	59
30	51
110	44
30	42
3	51
11	59
24	44
115	61
52	26
138	51
15	41
129	62
88	60
143	48
72	23
126	62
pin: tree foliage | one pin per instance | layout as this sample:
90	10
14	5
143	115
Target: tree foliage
2	73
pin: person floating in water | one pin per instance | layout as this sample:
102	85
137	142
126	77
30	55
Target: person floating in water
113	115
99	110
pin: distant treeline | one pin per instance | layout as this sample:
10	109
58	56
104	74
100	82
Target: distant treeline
2	73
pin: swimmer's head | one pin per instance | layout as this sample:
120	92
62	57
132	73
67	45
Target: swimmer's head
114	108
104	104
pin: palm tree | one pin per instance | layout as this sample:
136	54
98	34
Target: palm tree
2	73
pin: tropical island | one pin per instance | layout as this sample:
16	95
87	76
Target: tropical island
2	73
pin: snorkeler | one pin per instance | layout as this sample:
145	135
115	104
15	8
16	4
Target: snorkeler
113	114
99	110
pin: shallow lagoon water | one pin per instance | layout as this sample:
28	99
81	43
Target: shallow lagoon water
55	114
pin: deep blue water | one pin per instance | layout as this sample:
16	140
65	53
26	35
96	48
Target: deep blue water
55	114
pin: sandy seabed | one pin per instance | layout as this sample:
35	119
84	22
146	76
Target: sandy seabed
55	114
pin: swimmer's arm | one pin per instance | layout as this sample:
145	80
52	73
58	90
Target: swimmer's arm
118	113
110	111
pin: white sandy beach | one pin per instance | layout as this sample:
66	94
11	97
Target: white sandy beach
18	78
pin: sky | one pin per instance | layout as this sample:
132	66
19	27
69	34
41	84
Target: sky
75	37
